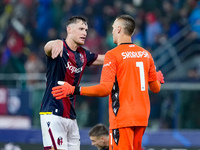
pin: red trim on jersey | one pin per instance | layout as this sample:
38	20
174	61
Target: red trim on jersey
52	138
66	101
66	106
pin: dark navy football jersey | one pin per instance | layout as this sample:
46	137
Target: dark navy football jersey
69	68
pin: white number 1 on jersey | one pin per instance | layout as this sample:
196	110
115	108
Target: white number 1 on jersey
142	78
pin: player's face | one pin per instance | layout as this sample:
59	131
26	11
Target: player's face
97	141
79	32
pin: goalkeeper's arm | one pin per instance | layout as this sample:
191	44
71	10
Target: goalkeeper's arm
101	90
155	86
104	89
65	89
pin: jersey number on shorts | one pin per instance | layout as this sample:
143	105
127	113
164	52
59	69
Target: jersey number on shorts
142	78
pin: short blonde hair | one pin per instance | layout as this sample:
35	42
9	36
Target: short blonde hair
128	24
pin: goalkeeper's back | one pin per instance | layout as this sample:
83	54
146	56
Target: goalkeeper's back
131	68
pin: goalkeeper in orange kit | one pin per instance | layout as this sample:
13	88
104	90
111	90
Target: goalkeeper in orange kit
127	72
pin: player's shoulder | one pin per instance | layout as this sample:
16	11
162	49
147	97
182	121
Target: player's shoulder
139	48
81	49
111	52
114	50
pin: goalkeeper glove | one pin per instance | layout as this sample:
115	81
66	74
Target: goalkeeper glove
64	90
160	77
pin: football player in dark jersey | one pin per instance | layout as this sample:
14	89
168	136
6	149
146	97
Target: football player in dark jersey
66	61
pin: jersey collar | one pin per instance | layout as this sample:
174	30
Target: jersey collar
125	43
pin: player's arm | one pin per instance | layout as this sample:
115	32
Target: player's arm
99	60
155	86
101	90
54	48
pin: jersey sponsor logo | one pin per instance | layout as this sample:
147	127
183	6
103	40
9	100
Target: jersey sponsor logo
108	64
138	54
73	69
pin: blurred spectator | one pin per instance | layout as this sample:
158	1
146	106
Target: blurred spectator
194	20
57	13
4	17
14	65
15	42
33	65
193	73
94	41
44	20
177	4
183	17
153	30
168	10
138	38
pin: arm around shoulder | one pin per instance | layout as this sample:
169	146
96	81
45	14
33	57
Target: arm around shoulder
53	48
48	48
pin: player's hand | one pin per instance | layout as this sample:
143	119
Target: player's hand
62	91
57	48
160	77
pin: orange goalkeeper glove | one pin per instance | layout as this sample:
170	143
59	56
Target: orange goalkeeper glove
160	77
64	90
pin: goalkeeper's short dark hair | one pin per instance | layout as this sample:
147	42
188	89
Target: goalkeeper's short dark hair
99	130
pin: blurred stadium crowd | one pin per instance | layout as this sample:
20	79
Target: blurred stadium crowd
26	25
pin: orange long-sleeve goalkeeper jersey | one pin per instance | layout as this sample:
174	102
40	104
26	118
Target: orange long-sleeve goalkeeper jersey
131	68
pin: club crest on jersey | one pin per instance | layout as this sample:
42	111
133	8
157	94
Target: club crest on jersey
81	58
60	140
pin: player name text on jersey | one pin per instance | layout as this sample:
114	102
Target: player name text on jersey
138	54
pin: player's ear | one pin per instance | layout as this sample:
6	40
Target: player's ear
69	29
119	28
